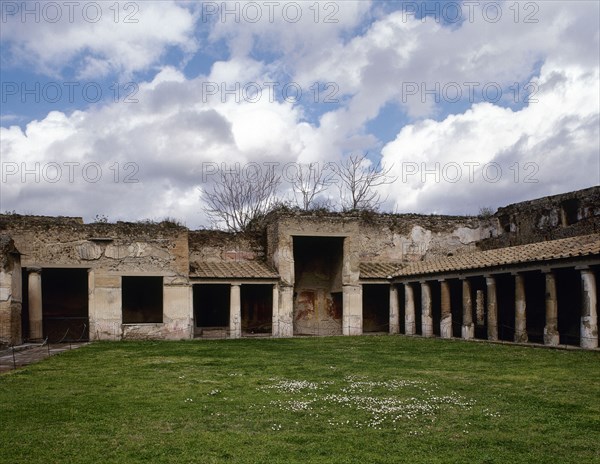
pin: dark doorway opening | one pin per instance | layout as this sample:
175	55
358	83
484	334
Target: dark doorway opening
436	306
211	305
535	291
418	308
25	304
401	309
376	307
568	296
505	295
318	279
456	306
65	304
142	299
257	309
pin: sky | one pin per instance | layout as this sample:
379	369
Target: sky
127	110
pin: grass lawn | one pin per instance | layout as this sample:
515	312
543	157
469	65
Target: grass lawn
340	399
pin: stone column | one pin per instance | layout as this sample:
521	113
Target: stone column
446	316
35	304
284	325
520	310
352	315
589	314
394	310
492	309
551	336
426	319
409	310
92	303
275	312
468	328
235	312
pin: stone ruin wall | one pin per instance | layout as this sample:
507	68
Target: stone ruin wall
219	246
109	251
406	238
368	238
120	247
312	302
549	218
112	250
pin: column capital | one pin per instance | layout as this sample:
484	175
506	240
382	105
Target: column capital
34	269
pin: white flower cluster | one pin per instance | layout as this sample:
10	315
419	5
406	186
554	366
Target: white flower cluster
385	403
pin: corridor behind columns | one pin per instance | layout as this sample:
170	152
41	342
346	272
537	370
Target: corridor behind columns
575	315
64	305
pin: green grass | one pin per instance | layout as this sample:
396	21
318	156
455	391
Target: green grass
340	399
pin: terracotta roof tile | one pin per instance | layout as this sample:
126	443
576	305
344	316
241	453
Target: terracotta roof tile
234	270
585	245
378	270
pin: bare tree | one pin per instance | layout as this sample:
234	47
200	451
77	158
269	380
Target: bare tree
311	180
239	198
358	182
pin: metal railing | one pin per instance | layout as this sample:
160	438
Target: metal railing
21	355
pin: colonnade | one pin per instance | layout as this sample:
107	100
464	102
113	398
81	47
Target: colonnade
551	336
35	313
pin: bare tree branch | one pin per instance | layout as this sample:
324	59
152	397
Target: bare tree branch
311	180
240	198
359	180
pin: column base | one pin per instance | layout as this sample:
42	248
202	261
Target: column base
589	333
427	327
521	337
446	327
492	334
468	332
551	338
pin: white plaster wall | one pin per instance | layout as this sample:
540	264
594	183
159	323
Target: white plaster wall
105	307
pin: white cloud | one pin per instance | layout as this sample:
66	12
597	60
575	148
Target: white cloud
396	53
177	129
141	160
491	156
291	31
92	40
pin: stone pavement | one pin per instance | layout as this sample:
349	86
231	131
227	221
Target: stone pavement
29	353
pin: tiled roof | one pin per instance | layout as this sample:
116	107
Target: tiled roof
233	270
585	245
378	270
